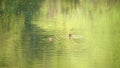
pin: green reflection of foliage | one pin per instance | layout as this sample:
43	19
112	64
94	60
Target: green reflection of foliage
27	25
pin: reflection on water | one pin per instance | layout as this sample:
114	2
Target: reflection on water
41	50
59	34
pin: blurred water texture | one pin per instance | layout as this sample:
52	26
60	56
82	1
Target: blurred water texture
59	34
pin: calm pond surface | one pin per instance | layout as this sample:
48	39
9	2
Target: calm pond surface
59	34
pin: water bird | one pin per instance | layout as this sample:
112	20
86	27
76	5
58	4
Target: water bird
51	39
72	36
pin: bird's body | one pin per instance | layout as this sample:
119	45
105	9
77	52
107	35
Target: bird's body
51	39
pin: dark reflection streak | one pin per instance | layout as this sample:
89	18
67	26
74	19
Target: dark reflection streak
33	45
